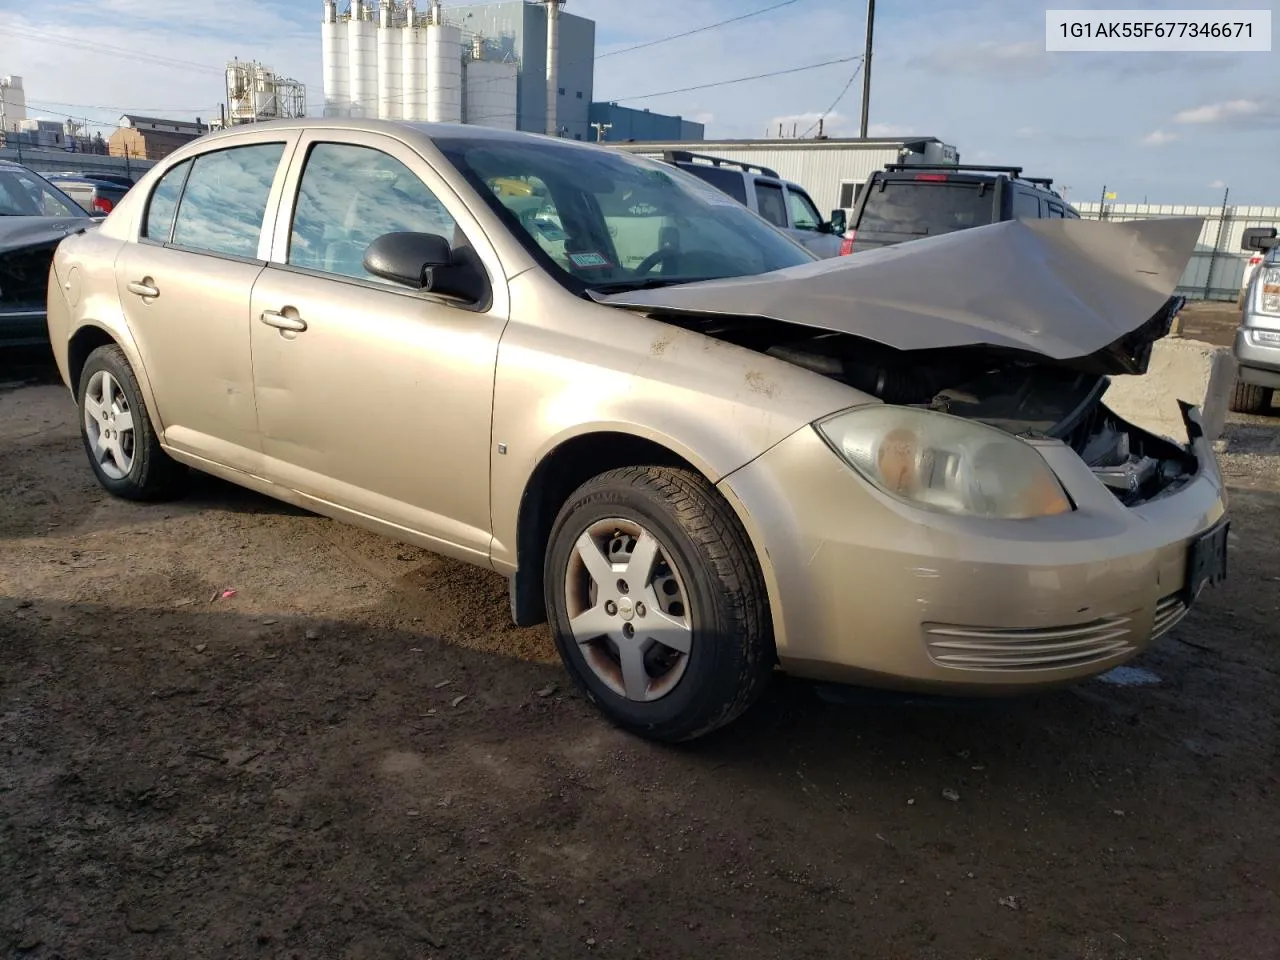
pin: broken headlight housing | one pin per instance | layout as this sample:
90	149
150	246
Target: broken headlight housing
945	463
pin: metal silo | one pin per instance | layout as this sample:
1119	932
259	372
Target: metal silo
362	50
444	71
337	75
390	65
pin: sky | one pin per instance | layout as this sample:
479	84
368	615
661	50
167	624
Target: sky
1153	127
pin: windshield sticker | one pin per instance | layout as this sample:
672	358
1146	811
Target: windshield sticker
549	230
589	261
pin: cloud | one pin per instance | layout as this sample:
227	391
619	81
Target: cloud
890	131
1159	138
1227	112
1027	133
1218	185
990	58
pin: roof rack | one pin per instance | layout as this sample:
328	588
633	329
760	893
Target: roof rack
896	167
685	156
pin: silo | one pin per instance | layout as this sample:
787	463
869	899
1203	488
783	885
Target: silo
389	63
491	94
444	73
413	66
362	50
337	76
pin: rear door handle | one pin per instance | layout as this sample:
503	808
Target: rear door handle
143	289
281	321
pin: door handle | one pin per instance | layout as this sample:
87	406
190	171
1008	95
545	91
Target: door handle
143	288
281	321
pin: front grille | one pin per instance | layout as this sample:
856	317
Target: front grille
1045	648
1168	612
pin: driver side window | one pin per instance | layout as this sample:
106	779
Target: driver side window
351	195
804	215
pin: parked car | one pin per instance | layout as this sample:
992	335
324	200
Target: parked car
34	216
729	455
94	195
1257	341
784	204
908	201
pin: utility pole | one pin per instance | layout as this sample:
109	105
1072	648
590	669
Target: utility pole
601	129
1102	204
866	67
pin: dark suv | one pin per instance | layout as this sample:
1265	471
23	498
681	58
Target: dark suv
908	201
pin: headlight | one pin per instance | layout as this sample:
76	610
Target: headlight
1271	290
946	463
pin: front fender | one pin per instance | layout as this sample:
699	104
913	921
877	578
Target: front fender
569	367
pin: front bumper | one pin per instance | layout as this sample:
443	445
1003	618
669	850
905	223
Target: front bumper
1259	362
865	589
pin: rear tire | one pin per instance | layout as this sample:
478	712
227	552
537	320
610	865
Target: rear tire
674	566
118	436
1250	398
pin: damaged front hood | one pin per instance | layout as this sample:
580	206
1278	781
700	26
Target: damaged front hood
1066	290
22	233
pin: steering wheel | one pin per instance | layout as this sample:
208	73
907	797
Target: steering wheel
661	255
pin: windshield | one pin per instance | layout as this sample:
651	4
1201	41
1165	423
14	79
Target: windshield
25	194
610	220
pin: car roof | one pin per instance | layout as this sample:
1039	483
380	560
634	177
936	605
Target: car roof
435	131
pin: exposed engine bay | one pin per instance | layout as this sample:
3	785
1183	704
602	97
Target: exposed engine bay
1022	395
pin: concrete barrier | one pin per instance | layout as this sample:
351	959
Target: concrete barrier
1192	370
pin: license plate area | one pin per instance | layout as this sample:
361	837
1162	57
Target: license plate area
1207	560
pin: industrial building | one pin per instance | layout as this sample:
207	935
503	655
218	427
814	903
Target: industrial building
609	121
831	170
514	64
152	138
256	93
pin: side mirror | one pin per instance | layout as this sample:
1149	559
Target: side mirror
839	222
1259	238
408	258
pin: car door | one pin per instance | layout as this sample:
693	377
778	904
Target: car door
185	287
806	224
371	396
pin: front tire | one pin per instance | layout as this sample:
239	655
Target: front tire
1250	398
120	441
657	602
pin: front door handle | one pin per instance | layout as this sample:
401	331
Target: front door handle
144	289
282	321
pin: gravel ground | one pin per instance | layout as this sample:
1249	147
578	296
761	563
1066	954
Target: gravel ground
232	729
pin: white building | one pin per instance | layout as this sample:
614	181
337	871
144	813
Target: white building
13	103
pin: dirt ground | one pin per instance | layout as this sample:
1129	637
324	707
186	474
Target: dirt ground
354	755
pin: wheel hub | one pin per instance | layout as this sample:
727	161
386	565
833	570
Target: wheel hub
627	609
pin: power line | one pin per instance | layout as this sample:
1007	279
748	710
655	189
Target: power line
836	102
690	33
88	46
725	83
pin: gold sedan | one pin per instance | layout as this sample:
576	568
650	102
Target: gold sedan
695	450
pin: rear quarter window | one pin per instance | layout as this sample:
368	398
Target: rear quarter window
729	181
910	209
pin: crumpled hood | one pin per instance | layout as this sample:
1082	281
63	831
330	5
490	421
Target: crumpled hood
19	233
1062	289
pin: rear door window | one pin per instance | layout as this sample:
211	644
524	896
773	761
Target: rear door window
1055	210
225	201
769	200
910	209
